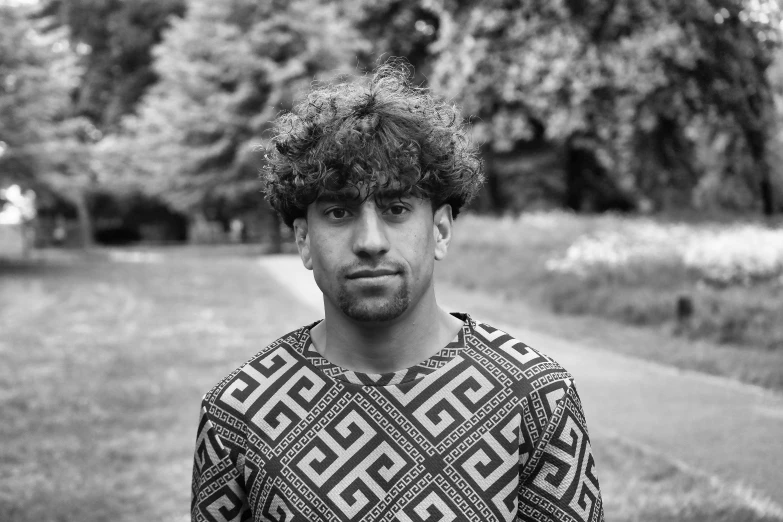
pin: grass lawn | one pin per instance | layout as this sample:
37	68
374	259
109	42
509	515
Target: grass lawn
104	367
104	364
627	298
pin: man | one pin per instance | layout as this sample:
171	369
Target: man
390	408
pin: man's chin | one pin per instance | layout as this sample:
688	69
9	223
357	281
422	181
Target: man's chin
374	310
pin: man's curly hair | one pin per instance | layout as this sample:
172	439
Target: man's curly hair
379	134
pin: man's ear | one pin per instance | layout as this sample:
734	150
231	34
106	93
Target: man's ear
303	241
443	225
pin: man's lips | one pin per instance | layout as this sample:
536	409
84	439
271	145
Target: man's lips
369	273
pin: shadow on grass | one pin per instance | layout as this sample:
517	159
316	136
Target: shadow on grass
35	268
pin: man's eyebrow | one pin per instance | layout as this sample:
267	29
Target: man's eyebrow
349	195
391	195
342	196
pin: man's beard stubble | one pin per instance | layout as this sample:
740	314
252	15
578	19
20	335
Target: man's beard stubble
370	310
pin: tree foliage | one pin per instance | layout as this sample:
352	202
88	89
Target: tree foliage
394	28
642	84
37	74
114	40
655	103
226	70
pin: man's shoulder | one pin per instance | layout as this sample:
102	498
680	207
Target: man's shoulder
545	390
285	351
528	367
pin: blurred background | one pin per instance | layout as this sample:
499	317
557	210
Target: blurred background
633	204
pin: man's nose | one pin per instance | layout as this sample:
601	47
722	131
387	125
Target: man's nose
370	235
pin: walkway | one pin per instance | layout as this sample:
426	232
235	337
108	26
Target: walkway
728	431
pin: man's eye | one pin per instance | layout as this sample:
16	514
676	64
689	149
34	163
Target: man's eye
397	210
337	213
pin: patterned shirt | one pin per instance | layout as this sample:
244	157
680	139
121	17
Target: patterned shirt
487	429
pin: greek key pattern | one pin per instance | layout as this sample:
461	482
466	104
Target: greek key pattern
377	396
341	402
487	429
472	437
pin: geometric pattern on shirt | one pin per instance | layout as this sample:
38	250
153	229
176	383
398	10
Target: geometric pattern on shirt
564	471
487	429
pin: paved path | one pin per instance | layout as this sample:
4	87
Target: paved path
731	432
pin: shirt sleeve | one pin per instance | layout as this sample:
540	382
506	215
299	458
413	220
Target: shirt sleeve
559	481
218	488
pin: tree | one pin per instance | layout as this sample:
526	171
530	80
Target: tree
111	42
631	83
225	71
43	144
114	40
394	28
775	144
37	73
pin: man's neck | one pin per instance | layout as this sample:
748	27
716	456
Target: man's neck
385	346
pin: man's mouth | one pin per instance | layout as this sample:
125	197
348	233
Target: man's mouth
370	273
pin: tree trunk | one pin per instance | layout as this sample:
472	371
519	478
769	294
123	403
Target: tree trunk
490	199
275	237
756	141
574	177
85	220
767	194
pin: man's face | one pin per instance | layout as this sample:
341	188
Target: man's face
373	257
